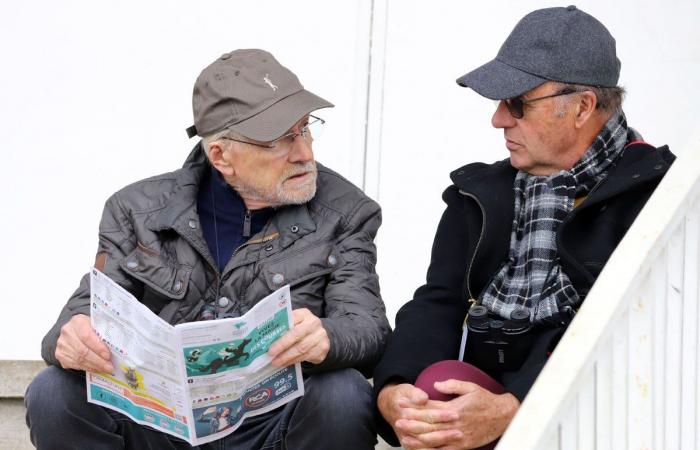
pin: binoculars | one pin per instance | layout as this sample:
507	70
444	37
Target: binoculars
495	344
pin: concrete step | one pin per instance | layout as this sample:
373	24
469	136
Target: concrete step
14	379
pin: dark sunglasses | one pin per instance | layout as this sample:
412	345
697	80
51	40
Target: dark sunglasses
515	105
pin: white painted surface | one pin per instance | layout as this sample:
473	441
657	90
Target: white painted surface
95	95
689	348
639	376
603	401
620	381
586	412
673	361
639	328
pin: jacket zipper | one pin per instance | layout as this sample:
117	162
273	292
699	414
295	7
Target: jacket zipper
476	249
262	240
472	301
246	233
246	223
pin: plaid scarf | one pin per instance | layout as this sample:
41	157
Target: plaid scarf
532	277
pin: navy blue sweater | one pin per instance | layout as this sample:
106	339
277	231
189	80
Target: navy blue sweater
226	222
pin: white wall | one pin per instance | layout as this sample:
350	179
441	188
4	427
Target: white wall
97	94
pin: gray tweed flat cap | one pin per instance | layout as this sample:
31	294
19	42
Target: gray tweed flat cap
557	44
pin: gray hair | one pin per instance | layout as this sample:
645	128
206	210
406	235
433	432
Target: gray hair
608	99
219	135
206	140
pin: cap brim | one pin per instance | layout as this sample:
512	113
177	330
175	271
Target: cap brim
499	81
273	122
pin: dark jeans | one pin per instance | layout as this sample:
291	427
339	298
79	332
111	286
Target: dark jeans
334	413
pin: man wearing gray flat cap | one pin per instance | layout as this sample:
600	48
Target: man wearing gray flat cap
248	213
522	240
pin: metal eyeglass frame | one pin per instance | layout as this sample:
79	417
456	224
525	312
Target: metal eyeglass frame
515	105
303	132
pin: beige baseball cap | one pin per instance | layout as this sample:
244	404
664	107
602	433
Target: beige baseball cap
249	92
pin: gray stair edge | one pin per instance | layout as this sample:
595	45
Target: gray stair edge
15	376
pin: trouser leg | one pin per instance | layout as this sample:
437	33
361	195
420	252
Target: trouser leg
60	417
334	413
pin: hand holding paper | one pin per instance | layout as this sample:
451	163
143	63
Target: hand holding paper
307	341
79	347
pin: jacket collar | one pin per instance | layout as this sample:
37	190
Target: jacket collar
640	163
492	184
181	206
292	222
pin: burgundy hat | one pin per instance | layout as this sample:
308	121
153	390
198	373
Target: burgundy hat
456	370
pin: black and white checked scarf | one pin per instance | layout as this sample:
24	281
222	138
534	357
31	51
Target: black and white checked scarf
532	277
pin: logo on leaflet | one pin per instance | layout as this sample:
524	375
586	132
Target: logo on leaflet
258	398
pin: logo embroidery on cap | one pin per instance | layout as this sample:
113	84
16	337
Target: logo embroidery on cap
269	83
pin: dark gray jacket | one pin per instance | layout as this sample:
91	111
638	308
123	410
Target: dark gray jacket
150	242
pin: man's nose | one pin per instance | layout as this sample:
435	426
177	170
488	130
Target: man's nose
502	117
301	150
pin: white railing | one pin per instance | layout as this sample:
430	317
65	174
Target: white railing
626	373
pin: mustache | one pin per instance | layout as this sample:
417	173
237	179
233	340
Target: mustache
299	168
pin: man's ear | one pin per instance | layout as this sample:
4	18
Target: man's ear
585	108
219	158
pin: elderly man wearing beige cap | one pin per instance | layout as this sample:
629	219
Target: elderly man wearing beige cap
249	212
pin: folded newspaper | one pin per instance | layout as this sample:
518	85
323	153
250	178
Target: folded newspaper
195	380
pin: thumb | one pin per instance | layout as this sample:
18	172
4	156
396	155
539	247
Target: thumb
412	396
455	387
417	396
88	336
300	314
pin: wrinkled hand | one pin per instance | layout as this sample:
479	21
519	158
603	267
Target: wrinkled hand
401	403
481	417
307	341
79	347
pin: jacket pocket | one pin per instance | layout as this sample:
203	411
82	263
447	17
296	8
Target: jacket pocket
300	267
164	276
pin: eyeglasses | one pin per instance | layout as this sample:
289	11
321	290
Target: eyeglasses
309	131
515	104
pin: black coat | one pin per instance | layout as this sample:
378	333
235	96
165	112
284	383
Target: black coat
472	241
